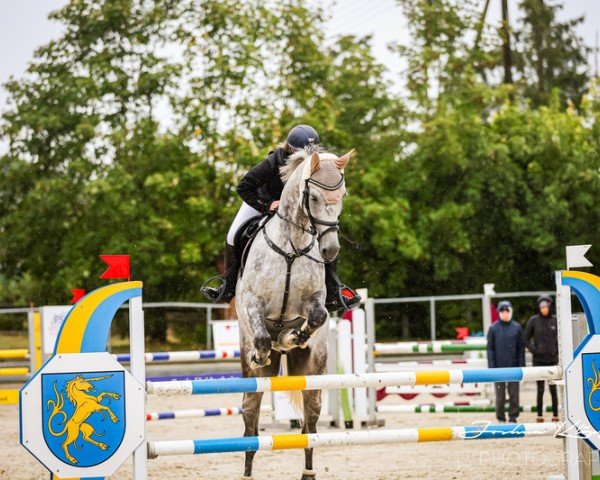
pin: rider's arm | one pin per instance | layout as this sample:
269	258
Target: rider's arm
252	181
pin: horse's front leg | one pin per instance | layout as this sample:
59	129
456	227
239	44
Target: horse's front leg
101	397
112	416
317	316
261	340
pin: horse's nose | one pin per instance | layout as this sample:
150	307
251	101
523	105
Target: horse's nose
329	253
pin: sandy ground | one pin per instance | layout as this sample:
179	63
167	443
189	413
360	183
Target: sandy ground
531	458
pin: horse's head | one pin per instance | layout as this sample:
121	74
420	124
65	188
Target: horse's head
85	384
323	189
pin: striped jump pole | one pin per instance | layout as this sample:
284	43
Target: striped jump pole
425	364
194	376
327	382
442	346
188	356
16	353
197	413
14	371
437	408
406	435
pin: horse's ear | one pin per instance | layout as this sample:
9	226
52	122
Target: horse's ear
343	160
315	163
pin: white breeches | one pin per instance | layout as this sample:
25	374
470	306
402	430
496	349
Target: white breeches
245	213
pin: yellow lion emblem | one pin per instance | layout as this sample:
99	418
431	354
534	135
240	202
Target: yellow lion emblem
594	384
85	404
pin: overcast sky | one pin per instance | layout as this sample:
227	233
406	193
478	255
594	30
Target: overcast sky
24	27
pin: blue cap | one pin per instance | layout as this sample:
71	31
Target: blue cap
302	136
504	304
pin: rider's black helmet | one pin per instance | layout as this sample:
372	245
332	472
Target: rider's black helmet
302	136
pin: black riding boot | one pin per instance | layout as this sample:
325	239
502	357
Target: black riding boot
339	296
225	292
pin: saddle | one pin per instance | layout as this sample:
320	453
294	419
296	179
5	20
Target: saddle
245	236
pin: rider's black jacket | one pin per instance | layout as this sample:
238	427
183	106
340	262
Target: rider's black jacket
544	332
262	185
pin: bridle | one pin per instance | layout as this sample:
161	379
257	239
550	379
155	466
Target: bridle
333	226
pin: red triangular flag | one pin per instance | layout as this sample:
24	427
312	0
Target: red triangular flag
78	294
118	266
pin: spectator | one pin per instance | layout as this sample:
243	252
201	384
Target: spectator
506	348
541	337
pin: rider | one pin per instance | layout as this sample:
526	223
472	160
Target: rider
261	190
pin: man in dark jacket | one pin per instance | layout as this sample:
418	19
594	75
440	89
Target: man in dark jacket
261	190
541	337
506	348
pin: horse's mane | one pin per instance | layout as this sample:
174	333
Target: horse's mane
296	159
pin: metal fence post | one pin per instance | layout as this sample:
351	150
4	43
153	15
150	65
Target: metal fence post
209	328
432	318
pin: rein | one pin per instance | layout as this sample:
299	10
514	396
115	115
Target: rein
290	257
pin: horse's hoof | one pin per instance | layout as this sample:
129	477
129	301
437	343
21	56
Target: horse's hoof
256	362
309	475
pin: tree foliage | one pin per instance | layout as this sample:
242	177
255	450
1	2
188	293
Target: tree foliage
129	133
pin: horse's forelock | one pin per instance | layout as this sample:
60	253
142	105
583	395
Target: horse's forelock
291	164
296	159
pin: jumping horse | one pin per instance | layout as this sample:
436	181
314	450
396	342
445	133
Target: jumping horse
280	296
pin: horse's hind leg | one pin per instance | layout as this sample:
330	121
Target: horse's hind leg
86	432
312	411
310	361
251	406
251	414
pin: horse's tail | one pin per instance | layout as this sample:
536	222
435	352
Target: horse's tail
295	396
57	409
297	401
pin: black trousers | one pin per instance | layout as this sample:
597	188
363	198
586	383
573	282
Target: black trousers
540	391
513	400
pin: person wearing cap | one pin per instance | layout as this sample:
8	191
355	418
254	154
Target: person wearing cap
261	190
541	338
506	348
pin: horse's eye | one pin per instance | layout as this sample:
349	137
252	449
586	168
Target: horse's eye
314	198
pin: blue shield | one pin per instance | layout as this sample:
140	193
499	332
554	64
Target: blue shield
83	415
591	387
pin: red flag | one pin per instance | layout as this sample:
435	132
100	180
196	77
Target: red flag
118	266
78	294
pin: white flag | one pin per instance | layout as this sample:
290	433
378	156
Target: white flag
576	256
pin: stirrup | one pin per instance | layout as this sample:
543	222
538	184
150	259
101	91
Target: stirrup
349	299
220	289
345	299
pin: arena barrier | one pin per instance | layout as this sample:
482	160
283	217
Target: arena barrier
33	356
441	346
180	357
79	357
201	412
456	408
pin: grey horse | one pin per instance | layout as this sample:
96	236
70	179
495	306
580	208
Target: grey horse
280	297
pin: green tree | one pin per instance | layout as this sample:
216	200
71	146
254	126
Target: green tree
551	54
